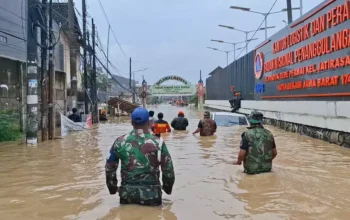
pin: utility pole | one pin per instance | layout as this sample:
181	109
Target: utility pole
86	98
32	80
44	45
51	79
94	83
289	11
73	54
109	29
134	90
132	87
130	73
144	92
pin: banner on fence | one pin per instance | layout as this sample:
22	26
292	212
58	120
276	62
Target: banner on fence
69	125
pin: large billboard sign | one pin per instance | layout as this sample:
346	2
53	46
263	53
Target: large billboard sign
309	59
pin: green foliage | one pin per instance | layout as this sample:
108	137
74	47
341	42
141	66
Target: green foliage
194	99
102	81
9	126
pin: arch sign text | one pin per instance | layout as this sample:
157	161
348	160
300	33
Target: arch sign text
167	78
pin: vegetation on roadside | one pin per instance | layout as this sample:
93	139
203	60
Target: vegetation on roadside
194	99
10	129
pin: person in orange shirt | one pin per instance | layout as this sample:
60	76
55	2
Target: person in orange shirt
160	126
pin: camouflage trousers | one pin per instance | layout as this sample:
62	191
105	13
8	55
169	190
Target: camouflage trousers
150	195
253	172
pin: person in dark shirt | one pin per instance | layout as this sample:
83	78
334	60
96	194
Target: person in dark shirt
236	102
180	122
206	126
75	117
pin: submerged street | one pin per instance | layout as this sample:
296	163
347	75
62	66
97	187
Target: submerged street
65	179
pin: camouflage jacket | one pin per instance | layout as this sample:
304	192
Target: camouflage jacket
260	143
207	126
179	123
140	160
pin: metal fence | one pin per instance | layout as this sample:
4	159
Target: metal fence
239	74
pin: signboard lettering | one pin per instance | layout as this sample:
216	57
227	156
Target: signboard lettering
259	88
177	78
310	60
185	89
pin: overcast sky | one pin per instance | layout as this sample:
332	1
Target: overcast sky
170	37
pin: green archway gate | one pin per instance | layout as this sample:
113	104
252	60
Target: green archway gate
187	89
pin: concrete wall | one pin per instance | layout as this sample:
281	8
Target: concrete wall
332	115
10	84
13	21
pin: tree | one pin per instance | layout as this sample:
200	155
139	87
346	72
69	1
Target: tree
194	99
102	82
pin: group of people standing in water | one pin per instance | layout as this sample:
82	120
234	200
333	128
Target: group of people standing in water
206	126
142	155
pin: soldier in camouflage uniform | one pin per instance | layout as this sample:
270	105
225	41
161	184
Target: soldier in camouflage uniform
206	126
258	147
140	154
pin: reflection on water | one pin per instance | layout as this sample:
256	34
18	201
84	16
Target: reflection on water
64	179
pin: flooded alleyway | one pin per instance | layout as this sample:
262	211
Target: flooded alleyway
64	179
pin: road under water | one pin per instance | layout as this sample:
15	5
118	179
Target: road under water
64	179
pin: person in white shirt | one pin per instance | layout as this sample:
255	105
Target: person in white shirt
151	119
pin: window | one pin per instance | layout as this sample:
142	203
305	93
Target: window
230	120
3	39
61	56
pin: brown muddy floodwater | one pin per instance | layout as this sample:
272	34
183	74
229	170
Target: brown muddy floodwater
64	179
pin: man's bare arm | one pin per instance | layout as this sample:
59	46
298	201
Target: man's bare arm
197	131
274	153
241	157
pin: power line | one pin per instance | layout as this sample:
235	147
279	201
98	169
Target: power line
112	75
273	5
66	20
115	37
110	63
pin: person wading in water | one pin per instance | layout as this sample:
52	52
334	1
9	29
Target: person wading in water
160	126
206	126
75	117
180	123
140	154
258	147
151	119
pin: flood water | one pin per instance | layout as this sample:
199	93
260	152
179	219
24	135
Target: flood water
64	179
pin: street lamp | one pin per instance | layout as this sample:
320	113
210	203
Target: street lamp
261	13
140	70
246	32
234	45
225	51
